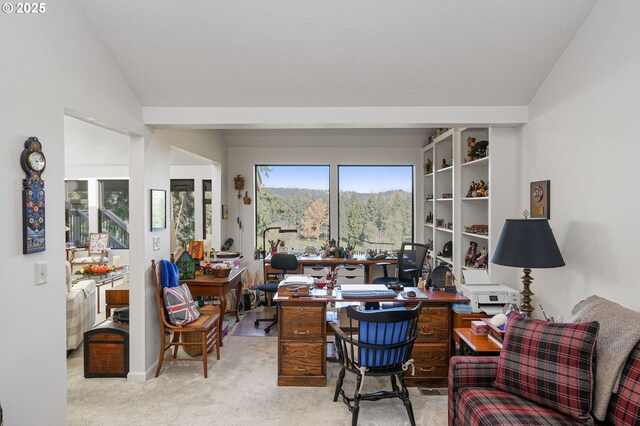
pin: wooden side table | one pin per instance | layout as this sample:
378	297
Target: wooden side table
116	297
474	345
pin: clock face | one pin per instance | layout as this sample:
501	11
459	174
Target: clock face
538	193
36	161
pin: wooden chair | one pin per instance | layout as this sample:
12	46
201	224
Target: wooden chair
205	327
98	251
380	345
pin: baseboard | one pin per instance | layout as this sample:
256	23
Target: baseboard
139	377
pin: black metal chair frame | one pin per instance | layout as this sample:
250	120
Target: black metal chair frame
392	358
404	273
284	262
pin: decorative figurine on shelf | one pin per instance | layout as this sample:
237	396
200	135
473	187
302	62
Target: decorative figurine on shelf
428	167
481	260
470	143
471	254
429	244
445	164
471	189
480	149
429	217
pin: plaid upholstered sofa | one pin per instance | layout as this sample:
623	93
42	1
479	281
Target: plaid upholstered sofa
81	309
475	401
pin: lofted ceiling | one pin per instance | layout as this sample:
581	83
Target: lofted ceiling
335	53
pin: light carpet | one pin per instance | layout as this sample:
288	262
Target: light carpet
241	390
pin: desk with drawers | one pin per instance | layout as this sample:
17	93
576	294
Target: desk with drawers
302	339
356	270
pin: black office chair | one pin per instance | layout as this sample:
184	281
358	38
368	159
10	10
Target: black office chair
285	263
410	261
377	343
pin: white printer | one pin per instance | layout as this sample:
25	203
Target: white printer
484	296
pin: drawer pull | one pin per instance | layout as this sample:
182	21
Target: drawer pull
426	333
301	333
301	354
301	369
427	370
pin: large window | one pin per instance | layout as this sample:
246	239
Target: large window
292	197
113	212
375	206
77	212
183	210
207	215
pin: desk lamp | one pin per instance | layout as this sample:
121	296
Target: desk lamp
527	243
264	233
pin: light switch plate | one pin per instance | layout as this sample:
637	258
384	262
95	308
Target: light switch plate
156	243
41	273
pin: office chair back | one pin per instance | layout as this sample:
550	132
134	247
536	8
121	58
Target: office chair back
410	261
284	262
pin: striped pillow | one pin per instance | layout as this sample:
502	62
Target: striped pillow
551	364
179	305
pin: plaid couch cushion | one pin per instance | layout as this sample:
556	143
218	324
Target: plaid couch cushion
492	407
550	364
179	305
624	406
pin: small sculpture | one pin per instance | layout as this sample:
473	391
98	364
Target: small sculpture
428	167
445	164
481	260
471	254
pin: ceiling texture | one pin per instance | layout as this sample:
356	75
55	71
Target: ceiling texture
335	53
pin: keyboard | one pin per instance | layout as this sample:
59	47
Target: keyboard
368	294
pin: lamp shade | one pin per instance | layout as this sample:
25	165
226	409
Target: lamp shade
527	243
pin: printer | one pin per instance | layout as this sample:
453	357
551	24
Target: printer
485	296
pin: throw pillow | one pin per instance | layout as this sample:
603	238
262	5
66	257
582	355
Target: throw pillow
179	305
551	364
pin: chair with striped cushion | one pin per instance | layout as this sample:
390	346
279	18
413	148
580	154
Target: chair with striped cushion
382	347
203	326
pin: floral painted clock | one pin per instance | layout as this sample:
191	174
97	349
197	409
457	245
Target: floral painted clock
33	163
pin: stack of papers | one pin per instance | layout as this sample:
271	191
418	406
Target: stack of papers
297	280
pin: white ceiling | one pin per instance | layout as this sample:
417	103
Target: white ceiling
293	53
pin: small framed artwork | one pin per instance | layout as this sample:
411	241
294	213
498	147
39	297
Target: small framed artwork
158	209
225	211
540	199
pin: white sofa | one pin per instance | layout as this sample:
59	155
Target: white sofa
81	309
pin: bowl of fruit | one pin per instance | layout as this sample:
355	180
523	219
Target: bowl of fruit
221	270
96	269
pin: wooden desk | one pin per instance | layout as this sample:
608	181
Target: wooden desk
330	262
474	345
116	297
302	333
209	285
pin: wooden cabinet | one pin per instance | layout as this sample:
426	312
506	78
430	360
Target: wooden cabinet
432	349
464	321
301	344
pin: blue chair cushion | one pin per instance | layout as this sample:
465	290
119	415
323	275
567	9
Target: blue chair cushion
269	287
382	334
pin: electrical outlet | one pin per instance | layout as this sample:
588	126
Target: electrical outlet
156	243
41	273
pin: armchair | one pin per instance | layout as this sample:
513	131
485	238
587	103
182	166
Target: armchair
81	309
381	346
97	251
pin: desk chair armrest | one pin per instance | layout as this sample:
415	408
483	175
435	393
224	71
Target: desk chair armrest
384	268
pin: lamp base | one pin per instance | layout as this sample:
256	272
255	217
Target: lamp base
526	306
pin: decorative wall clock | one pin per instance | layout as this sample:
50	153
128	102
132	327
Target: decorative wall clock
33	163
539	199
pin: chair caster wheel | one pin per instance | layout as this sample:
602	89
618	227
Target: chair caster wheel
256	323
267	330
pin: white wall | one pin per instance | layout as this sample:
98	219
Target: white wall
52	63
583	136
242	160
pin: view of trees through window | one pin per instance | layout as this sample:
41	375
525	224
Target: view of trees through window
113	214
292	197
375	206
77	212
183	210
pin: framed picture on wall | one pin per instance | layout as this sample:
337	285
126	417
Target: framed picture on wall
158	209
540	199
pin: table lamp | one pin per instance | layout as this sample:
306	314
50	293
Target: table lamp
527	243
264	233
